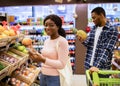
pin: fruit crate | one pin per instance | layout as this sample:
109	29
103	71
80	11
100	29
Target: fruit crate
13	65
13	39
4	41
23	55
4	72
13	81
19	52
22	59
20	37
106	81
27	79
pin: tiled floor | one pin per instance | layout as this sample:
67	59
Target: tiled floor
79	80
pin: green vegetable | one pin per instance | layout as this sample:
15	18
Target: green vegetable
1	66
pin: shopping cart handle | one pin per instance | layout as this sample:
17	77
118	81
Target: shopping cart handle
109	72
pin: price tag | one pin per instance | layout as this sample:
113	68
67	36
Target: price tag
59	1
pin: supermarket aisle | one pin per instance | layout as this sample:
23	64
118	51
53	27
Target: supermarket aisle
79	80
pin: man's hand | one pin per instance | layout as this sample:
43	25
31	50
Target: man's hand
80	38
94	69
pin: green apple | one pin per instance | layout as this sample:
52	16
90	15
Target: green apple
21	48
16	45
25	51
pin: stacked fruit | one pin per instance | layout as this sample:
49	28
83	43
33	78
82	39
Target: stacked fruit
17	82
8	58
28	43
5	32
27	74
25	43
20	47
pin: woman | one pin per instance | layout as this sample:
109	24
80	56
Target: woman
54	53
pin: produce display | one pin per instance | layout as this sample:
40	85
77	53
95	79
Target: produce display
27	74
1	66
4	69
28	43
20	47
17	82
14	56
6	32
8	58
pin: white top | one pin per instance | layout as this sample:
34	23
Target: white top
97	34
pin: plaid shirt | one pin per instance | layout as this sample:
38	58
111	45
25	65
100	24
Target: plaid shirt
104	47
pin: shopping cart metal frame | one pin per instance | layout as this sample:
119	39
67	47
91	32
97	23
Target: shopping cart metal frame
95	80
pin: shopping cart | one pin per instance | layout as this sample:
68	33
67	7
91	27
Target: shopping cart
94	79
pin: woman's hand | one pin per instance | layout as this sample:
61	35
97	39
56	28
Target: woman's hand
35	56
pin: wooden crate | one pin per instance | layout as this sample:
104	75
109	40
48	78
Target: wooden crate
18	52
8	83
4	72
13	66
23	56
28	80
13	39
3	41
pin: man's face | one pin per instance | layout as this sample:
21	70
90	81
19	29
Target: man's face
96	19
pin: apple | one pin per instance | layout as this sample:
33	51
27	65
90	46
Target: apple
25	51
88	29
16	45
21	48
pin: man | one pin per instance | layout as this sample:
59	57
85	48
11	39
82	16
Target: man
100	42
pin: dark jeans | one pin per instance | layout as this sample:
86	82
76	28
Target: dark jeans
46	80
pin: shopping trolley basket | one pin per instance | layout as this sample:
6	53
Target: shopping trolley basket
94	79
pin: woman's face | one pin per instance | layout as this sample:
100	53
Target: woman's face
50	27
